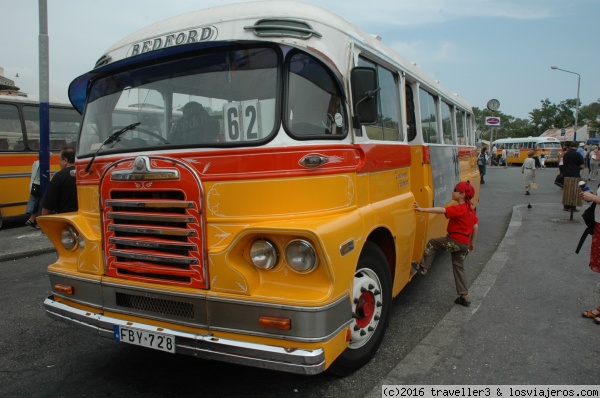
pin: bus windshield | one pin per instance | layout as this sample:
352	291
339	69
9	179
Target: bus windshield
222	98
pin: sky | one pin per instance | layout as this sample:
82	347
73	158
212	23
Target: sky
480	49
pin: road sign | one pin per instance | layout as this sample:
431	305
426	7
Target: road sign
492	121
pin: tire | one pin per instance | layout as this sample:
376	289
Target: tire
371	302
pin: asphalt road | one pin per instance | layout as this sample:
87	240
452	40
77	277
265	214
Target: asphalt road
40	357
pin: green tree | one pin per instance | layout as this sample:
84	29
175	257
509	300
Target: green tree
590	115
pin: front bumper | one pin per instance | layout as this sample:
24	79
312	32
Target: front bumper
300	361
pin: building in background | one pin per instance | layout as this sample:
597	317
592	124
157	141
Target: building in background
7	84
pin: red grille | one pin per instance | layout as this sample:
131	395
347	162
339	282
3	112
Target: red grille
153	226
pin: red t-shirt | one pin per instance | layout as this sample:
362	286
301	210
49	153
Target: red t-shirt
461	222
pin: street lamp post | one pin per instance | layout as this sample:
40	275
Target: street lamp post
577	105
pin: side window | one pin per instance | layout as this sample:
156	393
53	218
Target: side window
411	120
314	102
447	130
11	136
32	126
470	130
388	126
428	117
64	127
460	128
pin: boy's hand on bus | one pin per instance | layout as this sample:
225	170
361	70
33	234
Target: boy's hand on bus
417	208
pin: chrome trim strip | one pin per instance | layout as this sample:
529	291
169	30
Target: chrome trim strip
115	215
129	242
149	204
299	361
153	257
153	231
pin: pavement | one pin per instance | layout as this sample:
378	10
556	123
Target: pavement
524	325
19	242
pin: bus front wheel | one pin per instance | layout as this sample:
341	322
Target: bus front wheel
371	301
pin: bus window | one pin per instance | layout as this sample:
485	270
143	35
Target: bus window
236	91
388	125
470	130
428	117
323	115
64	127
11	137
447	130
460	128
411	120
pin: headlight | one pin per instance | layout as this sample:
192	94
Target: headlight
264	254
69	238
301	256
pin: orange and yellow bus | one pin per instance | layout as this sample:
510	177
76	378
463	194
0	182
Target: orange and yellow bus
20	145
264	214
517	149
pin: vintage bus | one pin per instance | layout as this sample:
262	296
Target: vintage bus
20	145
266	218
517	149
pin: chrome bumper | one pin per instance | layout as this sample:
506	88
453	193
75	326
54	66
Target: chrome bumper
300	361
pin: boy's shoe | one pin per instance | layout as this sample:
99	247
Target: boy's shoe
462	301
419	268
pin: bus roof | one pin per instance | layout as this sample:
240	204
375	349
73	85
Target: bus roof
30	99
233	23
527	139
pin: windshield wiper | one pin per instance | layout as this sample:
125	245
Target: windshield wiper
114	137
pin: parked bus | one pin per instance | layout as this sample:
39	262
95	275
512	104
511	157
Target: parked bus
517	149
266	217
20	145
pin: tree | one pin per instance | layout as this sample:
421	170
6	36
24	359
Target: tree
590	115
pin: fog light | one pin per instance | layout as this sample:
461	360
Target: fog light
264	254
69	238
301	256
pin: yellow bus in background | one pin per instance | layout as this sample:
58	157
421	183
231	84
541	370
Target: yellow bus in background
263	215
517	149
20	145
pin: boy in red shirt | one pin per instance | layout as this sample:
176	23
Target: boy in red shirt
462	230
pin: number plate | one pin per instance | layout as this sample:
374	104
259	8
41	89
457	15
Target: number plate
144	338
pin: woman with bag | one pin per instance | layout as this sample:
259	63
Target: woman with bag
33	204
588	196
528	171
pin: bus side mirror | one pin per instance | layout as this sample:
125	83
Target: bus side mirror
364	95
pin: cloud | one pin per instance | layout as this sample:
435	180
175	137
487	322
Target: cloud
424	53
423	12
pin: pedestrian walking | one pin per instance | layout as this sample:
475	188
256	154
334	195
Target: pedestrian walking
528	171
460	240
503	157
482	159
572	165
